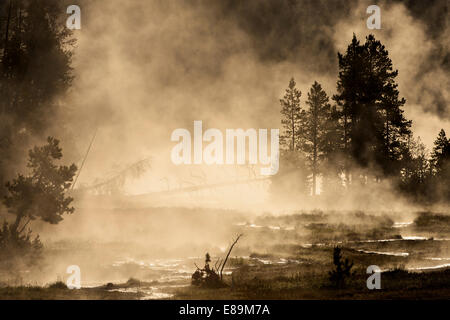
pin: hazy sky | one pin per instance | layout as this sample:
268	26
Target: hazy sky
145	68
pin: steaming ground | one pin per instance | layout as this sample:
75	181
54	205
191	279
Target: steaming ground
143	70
161	246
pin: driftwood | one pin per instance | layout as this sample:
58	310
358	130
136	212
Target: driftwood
207	276
228	254
212	277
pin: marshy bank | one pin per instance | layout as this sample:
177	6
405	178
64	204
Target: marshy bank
279	257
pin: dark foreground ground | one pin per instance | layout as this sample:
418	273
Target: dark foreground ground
396	284
288	257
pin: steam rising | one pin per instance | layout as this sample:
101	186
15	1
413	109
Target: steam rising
145	68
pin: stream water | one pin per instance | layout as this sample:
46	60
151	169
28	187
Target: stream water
160	276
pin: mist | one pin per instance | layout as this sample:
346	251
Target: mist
143	69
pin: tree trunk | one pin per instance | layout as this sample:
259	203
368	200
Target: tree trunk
15	225
346	170
228	254
7	29
314	174
293	132
387	134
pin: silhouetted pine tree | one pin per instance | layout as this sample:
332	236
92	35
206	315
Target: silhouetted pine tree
291	179
440	168
375	130
415	178
35	58
292	118
342	269
333	153
41	194
440	158
315	133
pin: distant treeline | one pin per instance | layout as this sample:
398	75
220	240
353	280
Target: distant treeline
360	138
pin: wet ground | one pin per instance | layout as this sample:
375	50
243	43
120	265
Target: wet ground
408	248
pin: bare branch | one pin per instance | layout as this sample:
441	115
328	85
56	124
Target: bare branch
26	223
215	265
228	254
